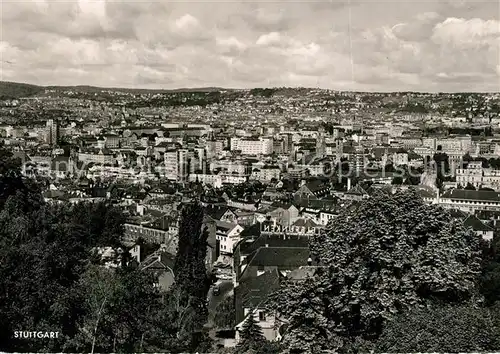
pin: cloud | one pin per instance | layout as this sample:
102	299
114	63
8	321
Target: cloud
460	31
269	39
362	45
420	29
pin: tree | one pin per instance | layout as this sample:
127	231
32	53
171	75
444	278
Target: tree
226	315
45	250
12	181
123	312
391	254
397	180
187	301
444	329
442	166
251	336
490	277
470	187
189	267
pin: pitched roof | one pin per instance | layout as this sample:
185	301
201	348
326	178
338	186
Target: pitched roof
253	230
476	224
315	185
356	190
281	257
216	212
158	260
304	222
253	292
458	214
481	195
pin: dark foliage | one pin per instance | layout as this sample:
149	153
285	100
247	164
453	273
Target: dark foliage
391	254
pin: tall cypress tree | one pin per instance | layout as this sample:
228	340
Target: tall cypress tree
188	298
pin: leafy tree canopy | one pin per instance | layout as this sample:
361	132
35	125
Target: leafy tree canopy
391	254
443	329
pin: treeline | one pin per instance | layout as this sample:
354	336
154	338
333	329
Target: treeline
180	99
485	163
263	92
457	131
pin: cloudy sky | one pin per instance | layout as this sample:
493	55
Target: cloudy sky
374	45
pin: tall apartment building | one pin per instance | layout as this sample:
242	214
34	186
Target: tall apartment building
321	143
198	160
170	160
52	132
182	165
177	164
287	142
358	161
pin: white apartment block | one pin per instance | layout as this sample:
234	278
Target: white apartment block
478	176
100	156
253	146
470	201
458	144
266	174
176	164
230	166
216	180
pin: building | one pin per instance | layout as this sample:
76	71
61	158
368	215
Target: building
168	237
170	161
52	132
112	141
176	165
213	148
480	228
478	176
160	265
315	189
259	264
228	235
321	143
266	173
470	201
252	146
97	156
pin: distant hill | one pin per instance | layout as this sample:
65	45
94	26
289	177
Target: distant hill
9	90
92	89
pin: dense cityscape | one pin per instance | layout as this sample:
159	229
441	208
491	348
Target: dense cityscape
270	220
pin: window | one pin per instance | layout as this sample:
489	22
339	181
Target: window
262	316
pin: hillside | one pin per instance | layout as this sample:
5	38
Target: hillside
9	90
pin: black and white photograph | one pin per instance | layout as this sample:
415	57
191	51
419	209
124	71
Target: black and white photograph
250	177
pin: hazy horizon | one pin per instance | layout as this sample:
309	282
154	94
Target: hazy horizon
361	46
246	89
